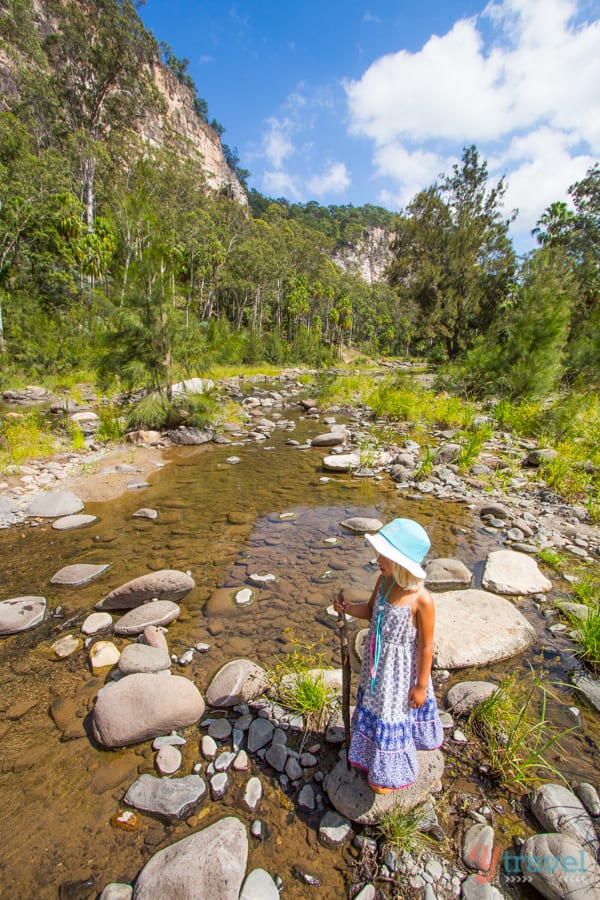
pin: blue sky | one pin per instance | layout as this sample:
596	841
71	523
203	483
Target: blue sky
369	102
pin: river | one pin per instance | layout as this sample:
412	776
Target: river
273	512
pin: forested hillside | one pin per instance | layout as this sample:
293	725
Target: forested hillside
119	256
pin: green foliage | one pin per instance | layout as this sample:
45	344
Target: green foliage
301	687
77	437
551	558
23	439
111	426
515	727
587	590
400	828
156	412
587	634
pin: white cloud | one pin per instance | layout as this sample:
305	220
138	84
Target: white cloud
280	184
277	143
412	170
520	81
534	161
334	179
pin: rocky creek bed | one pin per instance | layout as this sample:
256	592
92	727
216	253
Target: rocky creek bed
145	752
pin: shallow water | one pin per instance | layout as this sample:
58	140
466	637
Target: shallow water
271	513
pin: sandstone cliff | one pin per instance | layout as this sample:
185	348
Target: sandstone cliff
369	257
177	119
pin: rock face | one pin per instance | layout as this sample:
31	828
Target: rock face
21	613
238	681
476	627
350	794
166	584
144	706
209	863
368	257
509	572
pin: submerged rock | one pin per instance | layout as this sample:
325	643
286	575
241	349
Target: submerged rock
21	614
238	681
172	798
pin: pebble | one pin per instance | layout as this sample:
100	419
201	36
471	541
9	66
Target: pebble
220	729
168	759
208	747
253	793
218	785
66	646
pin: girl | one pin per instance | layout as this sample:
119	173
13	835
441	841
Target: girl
396	711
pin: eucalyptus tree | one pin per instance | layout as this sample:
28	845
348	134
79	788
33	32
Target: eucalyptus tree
100	58
453	256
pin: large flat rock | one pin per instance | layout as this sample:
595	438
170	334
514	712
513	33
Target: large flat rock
78	574
166	584
21	613
476	627
158	612
168	797
509	572
52	504
352	797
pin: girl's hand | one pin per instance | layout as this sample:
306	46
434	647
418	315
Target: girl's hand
339	604
417	697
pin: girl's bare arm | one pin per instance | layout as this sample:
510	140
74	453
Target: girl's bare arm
425	621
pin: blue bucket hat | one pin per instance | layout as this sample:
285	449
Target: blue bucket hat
403	541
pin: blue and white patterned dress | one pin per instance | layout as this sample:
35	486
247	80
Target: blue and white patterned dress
386	733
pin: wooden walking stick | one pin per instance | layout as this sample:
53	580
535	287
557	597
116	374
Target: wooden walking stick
346	674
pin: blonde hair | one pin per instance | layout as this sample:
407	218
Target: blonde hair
404	578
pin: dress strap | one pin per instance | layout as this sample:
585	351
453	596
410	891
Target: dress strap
375	641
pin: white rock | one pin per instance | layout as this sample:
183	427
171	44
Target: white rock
95	622
103	654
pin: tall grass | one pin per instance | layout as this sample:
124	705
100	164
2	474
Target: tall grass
24	439
517	733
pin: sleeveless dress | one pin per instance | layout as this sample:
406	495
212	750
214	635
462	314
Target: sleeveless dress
386	733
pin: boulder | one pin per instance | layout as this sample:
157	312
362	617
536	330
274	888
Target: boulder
447	575
341	462
166	584
558	809
144	706
142	658
509	572
558	867
21	613
350	794
361	525
462	698
328	440
208	863
52	504
238	681
171	798
159	612
474	628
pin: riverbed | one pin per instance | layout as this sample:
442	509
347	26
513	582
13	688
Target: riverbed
275	511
